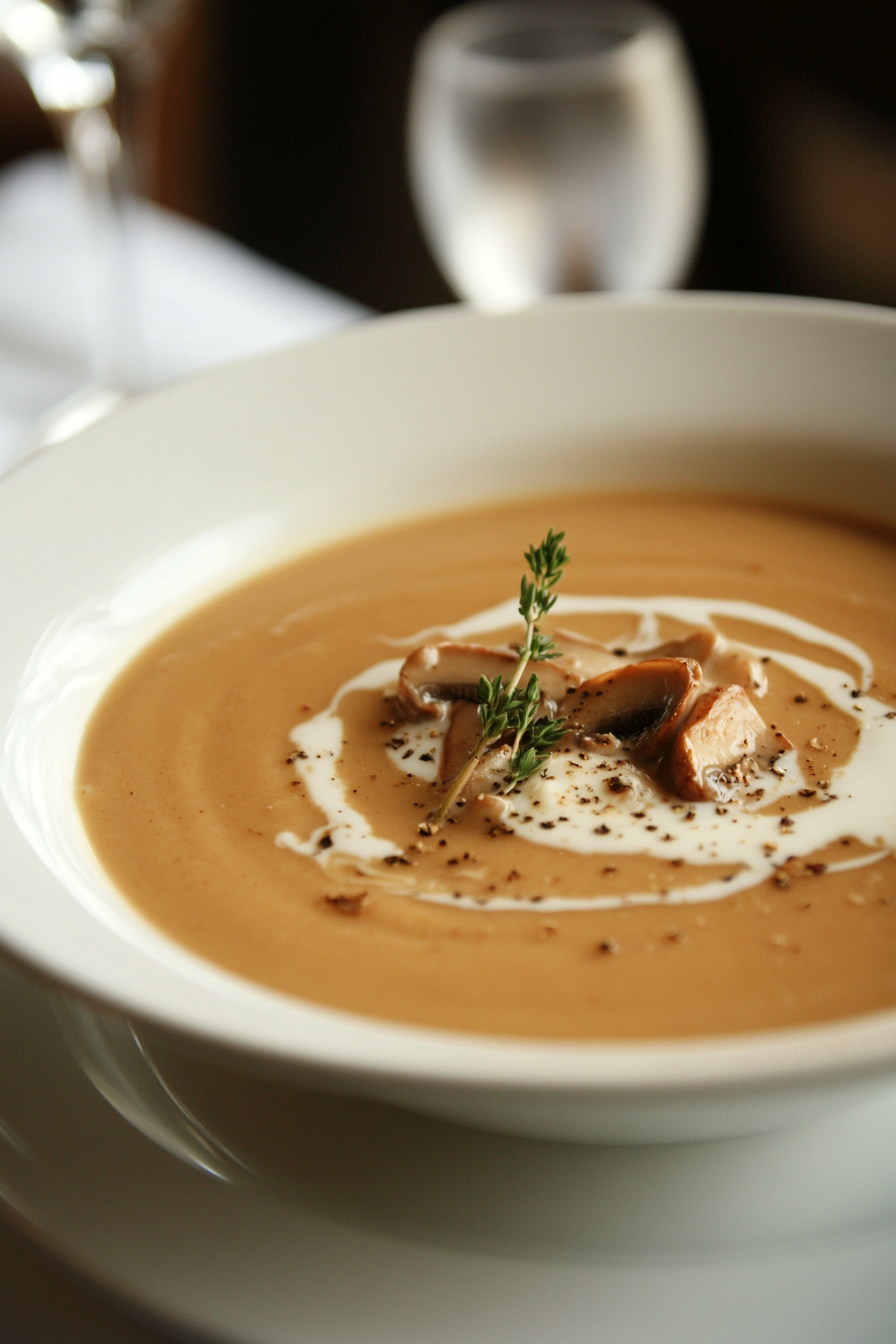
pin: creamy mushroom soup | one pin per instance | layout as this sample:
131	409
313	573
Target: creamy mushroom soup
705	844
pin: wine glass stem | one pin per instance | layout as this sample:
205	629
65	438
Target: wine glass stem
98	156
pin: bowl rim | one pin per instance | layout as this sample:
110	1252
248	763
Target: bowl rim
297	1033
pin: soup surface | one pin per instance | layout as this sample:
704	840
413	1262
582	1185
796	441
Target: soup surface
254	787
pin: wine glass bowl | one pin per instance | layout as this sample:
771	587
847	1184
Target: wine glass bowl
556	147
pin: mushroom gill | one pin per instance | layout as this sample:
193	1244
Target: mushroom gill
640	706
438	673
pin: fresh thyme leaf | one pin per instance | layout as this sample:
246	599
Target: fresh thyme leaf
542	648
523	765
498	708
546	563
507	709
528	708
546	733
535	746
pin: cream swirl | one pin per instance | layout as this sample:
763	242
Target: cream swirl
573	805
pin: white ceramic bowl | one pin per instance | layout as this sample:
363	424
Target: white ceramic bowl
106	539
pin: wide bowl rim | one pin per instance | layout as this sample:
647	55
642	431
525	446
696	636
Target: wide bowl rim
342	1043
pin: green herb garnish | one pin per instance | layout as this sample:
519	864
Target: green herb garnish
507	709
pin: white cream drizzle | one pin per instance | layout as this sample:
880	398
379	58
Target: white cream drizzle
860	801
419	750
346	830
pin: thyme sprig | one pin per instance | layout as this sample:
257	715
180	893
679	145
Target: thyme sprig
507	709
533	749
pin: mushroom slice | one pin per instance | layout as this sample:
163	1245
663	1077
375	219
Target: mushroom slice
725	663
731	665
489	776
641	705
494	807
436	673
459	742
585	657
700	645
722	728
490	773
458	746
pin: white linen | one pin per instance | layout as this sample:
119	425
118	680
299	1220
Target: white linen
202	298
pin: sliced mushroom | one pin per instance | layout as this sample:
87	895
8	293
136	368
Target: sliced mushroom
489	775
461	736
722	728
732	665
722	662
458	745
496	808
699	646
585	657
436	673
641	705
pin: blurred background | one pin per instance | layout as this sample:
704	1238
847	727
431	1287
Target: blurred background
281	123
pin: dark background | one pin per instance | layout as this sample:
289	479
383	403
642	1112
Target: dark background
800	101
282	123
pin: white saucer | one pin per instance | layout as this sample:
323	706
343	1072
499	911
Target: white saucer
248	1266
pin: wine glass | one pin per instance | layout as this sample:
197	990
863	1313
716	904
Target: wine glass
90	64
556	146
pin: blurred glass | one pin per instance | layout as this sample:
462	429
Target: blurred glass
556	146
90	64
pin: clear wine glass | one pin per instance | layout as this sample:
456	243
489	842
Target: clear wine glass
90	64
556	146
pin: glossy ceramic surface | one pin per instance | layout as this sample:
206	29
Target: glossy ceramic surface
151	511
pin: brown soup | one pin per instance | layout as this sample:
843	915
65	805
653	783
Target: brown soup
192	788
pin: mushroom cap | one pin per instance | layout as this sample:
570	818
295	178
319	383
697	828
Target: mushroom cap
434	674
641	705
722	728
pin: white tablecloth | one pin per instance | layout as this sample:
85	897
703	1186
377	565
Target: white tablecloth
203	299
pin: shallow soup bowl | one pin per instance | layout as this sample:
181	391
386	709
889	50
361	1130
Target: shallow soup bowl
108	539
